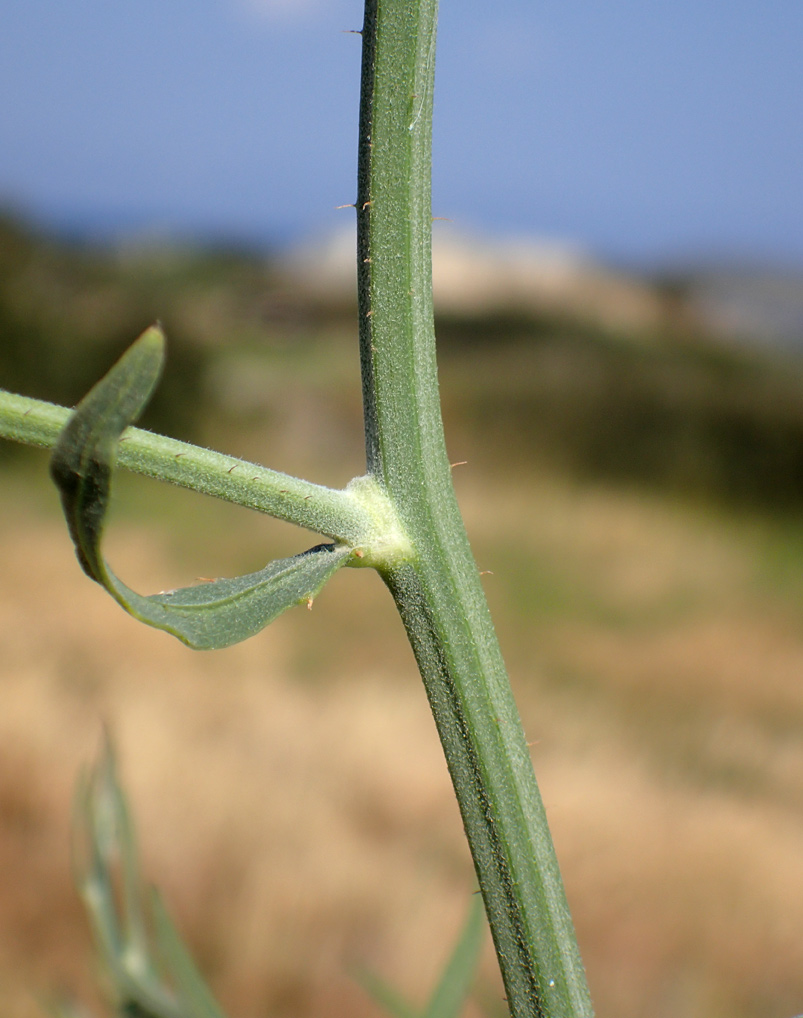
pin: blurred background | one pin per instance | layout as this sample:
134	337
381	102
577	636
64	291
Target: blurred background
619	292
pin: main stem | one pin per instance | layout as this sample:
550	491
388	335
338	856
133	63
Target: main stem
438	592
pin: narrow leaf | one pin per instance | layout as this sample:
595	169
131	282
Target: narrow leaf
123	851
150	969
107	865
207	616
195	996
83	457
452	991
453	987
386	996
213	615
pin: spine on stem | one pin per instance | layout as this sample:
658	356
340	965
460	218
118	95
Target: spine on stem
437	588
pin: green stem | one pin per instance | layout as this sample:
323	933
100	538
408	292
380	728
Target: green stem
438	591
337	514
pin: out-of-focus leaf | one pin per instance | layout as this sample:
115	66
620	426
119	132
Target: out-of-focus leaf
207	616
452	991
179	963
150	969
386	996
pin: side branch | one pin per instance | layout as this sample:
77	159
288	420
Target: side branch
317	508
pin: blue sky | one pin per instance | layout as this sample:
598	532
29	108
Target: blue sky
646	133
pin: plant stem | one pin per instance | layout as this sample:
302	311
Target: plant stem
336	514
438	592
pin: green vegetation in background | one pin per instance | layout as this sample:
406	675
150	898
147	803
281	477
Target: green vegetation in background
673	411
421	553
66	310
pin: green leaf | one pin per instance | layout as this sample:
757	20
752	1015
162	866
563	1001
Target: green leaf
205	617
150	969
386	996
83	457
217	614
177	959
452	991
454	985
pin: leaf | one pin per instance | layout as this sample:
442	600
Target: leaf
151	971
214	615
207	616
83	457
452	991
180	965
386	996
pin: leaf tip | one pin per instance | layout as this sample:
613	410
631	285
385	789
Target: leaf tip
153	339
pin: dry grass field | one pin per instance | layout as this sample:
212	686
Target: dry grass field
290	794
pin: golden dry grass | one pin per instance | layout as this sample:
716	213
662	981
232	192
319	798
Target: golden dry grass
290	793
